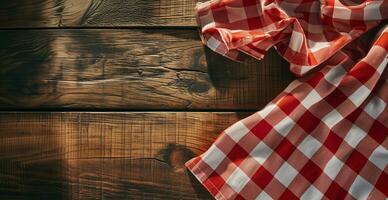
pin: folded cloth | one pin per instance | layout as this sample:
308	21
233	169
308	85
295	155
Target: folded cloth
325	135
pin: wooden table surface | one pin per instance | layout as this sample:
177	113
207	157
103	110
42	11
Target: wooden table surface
106	99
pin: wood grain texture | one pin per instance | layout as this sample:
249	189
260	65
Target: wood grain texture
96	13
104	155
129	69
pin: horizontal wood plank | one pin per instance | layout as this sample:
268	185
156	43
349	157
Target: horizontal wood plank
79	155
96	13
129	69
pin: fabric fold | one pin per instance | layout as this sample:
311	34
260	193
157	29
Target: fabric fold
325	135
305	32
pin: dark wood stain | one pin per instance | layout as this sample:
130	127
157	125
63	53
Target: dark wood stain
104	155
100	13
129	69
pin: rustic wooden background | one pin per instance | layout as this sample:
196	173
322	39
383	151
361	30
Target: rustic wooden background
106	99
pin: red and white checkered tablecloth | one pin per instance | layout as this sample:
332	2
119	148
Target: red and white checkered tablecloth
325	135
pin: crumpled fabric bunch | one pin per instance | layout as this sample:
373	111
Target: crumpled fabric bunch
325	135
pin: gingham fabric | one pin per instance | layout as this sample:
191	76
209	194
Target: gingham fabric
305	32
325	135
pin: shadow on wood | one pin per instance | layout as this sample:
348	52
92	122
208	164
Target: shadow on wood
104	155
27	171
176	156
254	82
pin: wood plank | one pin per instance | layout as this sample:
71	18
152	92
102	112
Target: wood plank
129	69
96	13
131	155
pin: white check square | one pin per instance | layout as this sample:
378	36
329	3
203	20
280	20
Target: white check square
360	188
379	157
309	146
261	152
285	174
360	95
372	10
213	156
237	131
375	107
332	118
284	126
333	167
335	75
296	41
237	180
342	12
213	43
266	110
316	46
312	98
304	69
264	196
384	63
312	193
294	84
354	136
